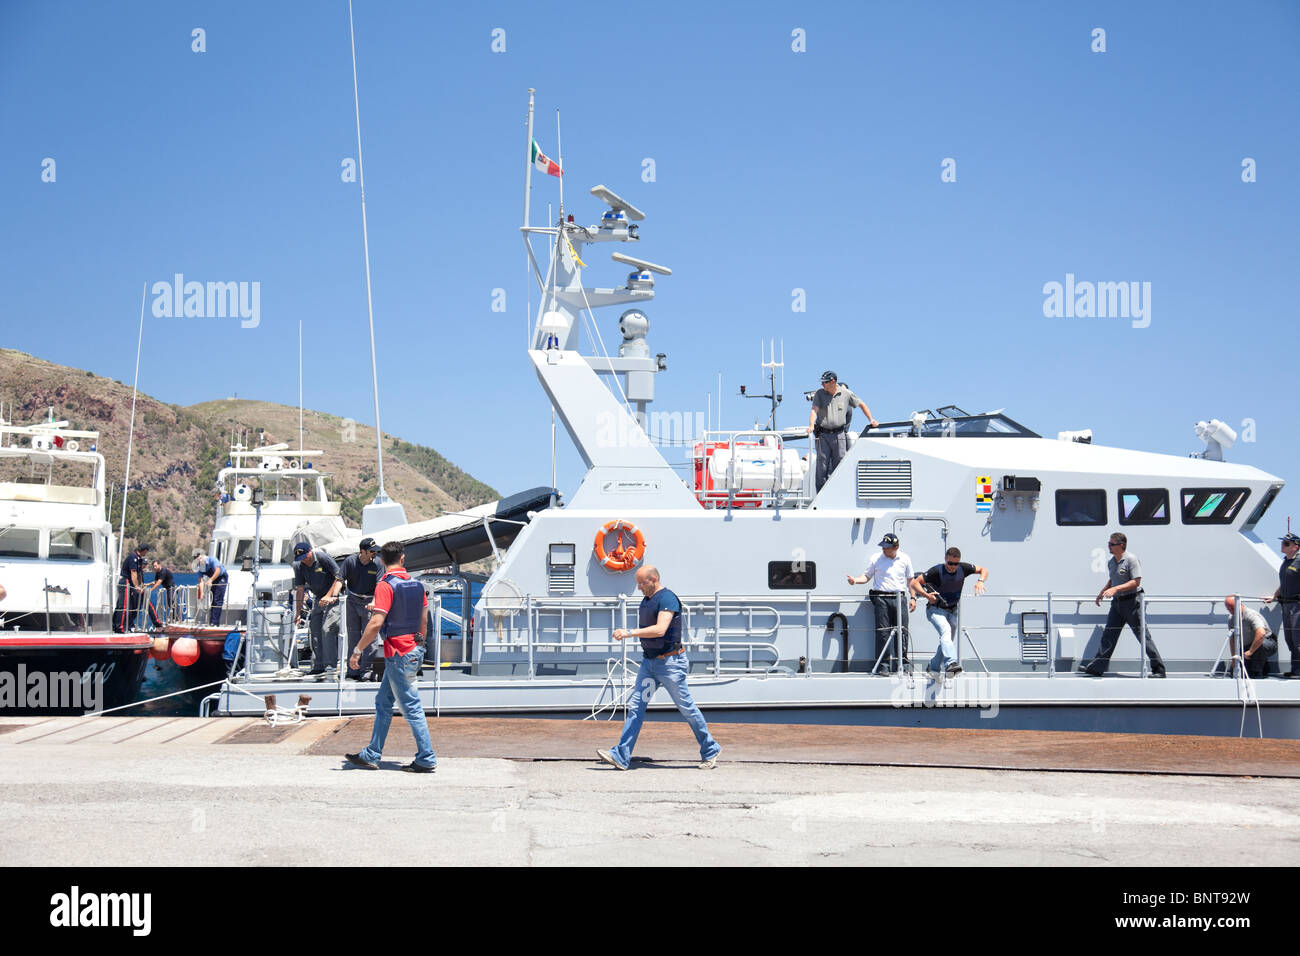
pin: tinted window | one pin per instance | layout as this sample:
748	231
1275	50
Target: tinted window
1212	505
1143	506
1261	508
791	575
72	546
19	542
1080	507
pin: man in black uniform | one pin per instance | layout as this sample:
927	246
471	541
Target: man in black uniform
319	572
162	578
360	574
129	589
1288	593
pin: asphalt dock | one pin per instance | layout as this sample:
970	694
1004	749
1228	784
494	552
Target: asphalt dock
237	791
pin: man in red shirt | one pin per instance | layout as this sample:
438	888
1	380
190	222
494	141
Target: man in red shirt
399	617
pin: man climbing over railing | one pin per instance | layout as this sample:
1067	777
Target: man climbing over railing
660	634
941	585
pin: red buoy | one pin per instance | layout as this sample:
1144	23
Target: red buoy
185	651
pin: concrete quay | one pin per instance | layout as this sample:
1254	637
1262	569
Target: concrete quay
234	792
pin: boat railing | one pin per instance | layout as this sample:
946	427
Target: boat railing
747	626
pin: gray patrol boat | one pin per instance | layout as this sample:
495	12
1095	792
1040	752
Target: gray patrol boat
772	629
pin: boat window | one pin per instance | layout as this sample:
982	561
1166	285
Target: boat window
69	545
1260	508
1212	505
1080	506
244	549
791	575
1144	506
19	542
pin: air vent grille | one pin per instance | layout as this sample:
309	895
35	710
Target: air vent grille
884	479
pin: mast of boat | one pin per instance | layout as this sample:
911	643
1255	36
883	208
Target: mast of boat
130	438
382	512
300	444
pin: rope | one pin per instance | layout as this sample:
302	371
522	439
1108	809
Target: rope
190	690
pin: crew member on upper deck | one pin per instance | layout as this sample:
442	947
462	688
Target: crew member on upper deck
828	420
1288	593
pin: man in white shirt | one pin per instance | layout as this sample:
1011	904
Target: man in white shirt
889	573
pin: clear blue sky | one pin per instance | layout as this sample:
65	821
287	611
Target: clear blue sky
776	170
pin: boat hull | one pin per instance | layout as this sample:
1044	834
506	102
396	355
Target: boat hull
55	674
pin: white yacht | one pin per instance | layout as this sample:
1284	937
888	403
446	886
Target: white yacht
57	567
759	559
295	506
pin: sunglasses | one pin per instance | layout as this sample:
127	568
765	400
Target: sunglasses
952	564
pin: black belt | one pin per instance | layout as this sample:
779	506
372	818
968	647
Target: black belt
1288	600
829	431
875	593
1127	595
361	597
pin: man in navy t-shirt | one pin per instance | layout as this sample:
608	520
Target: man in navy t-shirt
941	585
660	634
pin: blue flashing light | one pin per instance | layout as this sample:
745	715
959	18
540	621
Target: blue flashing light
308	465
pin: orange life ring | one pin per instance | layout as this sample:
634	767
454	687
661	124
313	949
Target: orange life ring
620	559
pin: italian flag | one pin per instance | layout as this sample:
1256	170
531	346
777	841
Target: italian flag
544	163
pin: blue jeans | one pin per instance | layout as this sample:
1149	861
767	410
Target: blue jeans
944	622
400	674
670	673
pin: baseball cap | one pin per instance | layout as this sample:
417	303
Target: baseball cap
368	544
888	541
1291	538
301	548
829	376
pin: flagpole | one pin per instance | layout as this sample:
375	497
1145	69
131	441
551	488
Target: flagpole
528	162
528	197
559	155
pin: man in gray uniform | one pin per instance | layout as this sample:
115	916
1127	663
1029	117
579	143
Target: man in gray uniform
829	421
1288	593
317	571
1123	589
1258	644
360	574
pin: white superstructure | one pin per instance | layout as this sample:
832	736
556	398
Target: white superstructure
57	547
296	507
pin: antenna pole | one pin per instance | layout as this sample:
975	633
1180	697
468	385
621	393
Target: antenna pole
130	438
381	496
